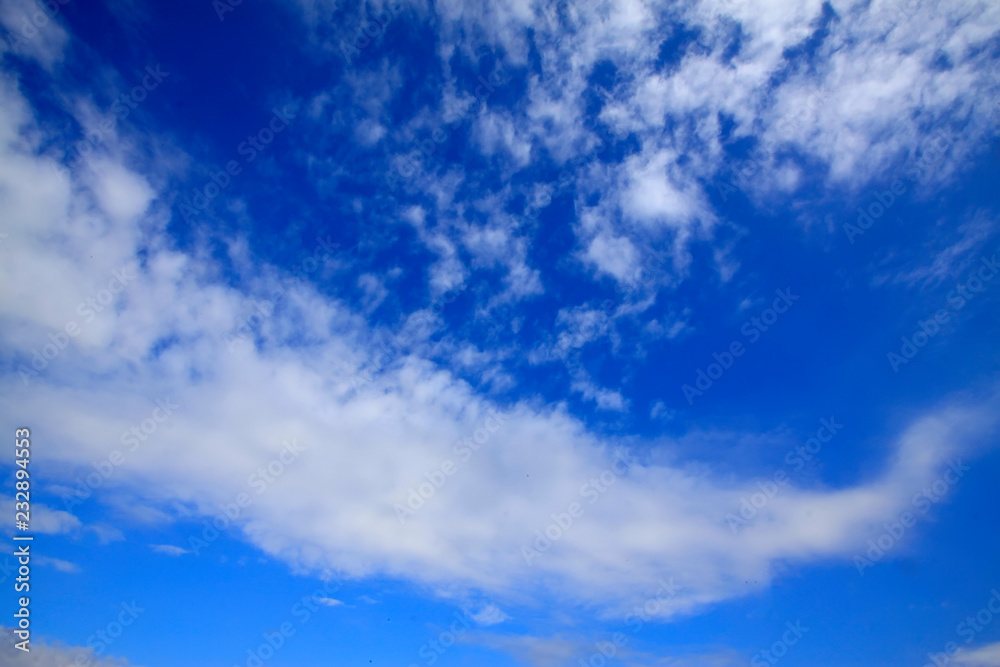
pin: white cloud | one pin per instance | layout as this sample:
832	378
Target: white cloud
58	564
540	651
365	448
958	253
652	195
490	615
33	32
606	399
329	602
985	656
106	534
168	549
44	654
614	255
859	108
369	132
44	519
661	411
122	194
374	290
497	133
498	244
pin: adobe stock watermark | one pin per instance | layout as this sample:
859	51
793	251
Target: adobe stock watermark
974	624
603	316
262	310
223	7
968	628
651	607
923	501
370	28
884	199
956	298
406	165
120	109
758	158
302	611
592	490
103	639
34	22
640	615
779	649
432	650
543	197
259	481
132	438
393	349
753	328
897	12
797	456
87	309
464	448
249	149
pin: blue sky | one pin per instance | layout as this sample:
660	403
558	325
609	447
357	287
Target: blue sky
531	334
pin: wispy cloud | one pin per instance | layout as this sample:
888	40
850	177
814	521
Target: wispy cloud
58	564
168	550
